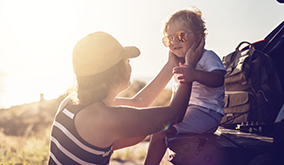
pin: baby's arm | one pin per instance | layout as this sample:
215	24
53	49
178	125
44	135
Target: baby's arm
187	73
212	79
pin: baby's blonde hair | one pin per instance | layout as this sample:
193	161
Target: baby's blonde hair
190	18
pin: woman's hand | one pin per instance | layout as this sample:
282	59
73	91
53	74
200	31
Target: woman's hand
194	53
174	60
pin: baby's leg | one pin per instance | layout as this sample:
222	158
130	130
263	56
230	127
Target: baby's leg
157	147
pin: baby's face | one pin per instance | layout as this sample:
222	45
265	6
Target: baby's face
180	48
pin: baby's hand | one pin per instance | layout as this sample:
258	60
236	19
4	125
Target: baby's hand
187	73
194	53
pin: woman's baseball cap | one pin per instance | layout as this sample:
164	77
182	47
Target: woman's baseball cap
98	52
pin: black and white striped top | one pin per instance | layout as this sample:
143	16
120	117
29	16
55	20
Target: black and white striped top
66	145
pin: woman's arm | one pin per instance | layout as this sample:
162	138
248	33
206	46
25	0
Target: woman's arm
122	143
127	122
150	93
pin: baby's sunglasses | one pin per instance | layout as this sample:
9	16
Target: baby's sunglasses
180	36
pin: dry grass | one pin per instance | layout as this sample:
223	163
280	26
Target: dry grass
22	150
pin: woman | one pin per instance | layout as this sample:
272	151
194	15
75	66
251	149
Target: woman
91	123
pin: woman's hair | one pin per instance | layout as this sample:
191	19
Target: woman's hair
190	18
96	87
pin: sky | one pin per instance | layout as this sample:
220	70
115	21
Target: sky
37	37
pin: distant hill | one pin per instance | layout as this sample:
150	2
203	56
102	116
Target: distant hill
29	118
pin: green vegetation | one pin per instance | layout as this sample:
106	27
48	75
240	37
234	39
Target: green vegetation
25	130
